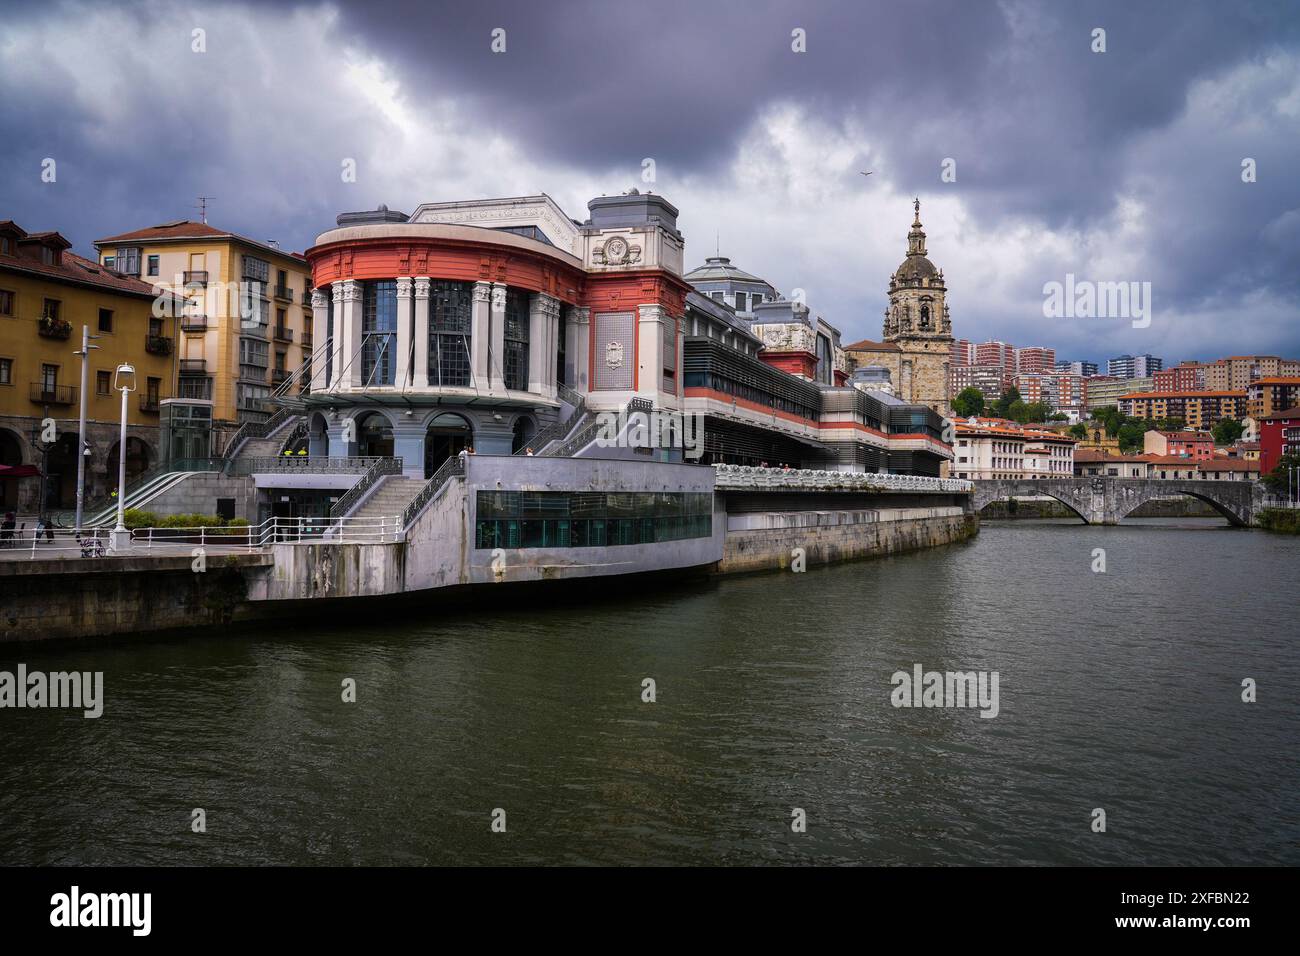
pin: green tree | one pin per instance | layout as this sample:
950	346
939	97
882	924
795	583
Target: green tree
1277	481
1018	411
1130	436
1079	431
1036	412
1002	407
1228	431
969	402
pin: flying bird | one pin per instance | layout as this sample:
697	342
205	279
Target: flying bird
866	174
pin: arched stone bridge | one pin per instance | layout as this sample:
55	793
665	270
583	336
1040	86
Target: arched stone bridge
1108	500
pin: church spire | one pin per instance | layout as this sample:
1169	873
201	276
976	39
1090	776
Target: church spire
916	238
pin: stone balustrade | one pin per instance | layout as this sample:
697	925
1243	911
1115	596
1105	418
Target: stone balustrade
745	477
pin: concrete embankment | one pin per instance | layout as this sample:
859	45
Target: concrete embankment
772	540
46	599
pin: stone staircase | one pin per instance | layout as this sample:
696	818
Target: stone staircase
390	498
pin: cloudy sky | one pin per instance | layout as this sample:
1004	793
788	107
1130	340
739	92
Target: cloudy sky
1123	165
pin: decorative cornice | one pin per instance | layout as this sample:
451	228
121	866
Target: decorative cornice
544	304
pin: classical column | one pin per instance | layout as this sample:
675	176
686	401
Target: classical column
577	349
402	360
650	351
320	353
335	317
543	323
497	359
421	332
480	338
350	347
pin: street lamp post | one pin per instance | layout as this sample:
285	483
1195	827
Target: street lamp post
81	431
124	381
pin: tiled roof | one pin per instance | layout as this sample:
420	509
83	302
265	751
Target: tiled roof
867	345
1288	413
183	229
77	270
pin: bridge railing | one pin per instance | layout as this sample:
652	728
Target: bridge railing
746	477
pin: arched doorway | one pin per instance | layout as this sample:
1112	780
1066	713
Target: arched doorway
61	473
374	436
11	453
446	435
318	439
524	429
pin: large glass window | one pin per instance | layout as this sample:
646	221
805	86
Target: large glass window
329	335
589	519
450	331
516	339
379	332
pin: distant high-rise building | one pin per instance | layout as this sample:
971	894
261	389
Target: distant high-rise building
1134	366
1185	377
1035	359
963	353
1077	368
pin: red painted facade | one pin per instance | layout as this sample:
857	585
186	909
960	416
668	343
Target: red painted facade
466	260
1272	440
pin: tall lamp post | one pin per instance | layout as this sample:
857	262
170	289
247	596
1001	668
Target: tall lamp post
81	431
124	381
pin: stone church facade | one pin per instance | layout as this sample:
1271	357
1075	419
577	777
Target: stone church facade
916	346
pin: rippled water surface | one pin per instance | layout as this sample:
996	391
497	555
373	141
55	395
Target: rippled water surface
1119	690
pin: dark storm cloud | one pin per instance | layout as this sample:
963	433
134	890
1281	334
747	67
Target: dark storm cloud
1047	135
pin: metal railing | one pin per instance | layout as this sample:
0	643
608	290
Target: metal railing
194	323
455	465
54	394
589	433
745	477
558	430
59	542
257	430
381	468
300	464
193	365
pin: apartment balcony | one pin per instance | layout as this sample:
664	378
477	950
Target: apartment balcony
306	302
283	334
194	366
200	388
150	403
279	376
282	292
194	323
51	327
46	394
195	278
158	344
306	340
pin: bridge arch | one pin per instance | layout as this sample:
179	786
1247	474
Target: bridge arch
1219	507
987	492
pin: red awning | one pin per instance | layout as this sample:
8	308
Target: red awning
19	471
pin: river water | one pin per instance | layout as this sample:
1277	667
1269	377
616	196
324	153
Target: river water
1118	690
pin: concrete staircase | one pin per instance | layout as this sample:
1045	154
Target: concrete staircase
389	499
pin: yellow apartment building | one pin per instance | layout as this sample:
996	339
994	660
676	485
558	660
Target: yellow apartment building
247	324
47	293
